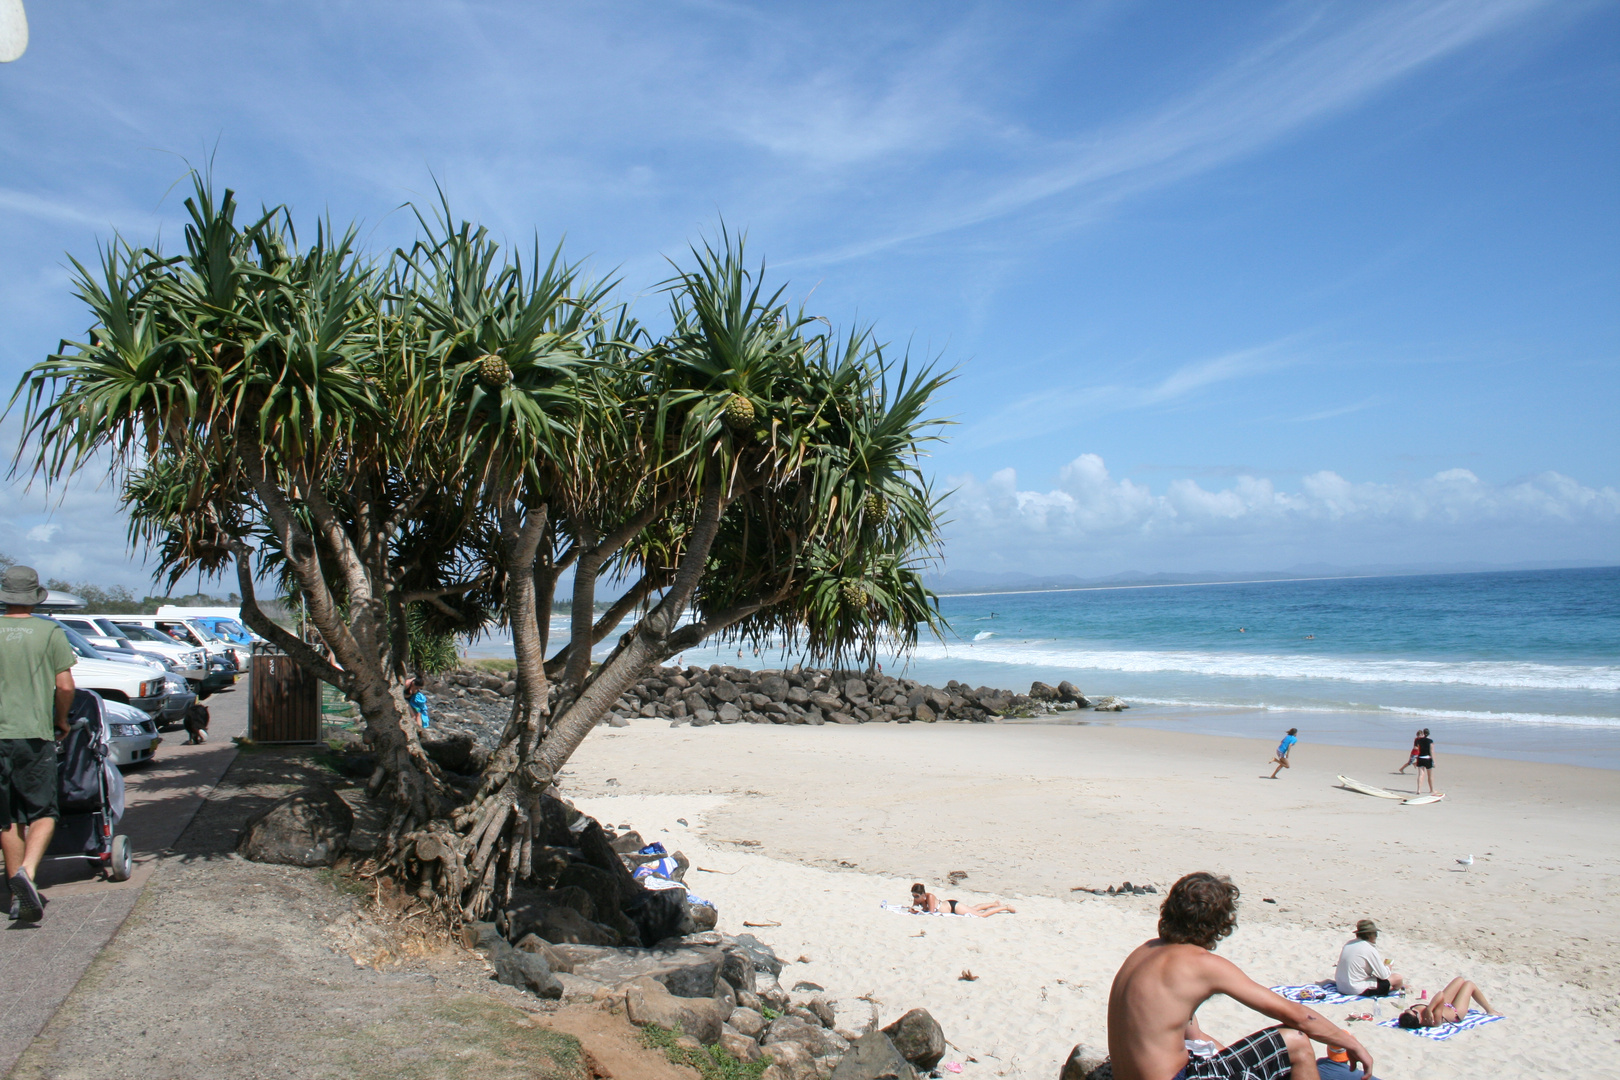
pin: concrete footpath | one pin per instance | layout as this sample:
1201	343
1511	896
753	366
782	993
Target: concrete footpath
45	961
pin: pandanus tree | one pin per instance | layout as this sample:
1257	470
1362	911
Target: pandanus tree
442	434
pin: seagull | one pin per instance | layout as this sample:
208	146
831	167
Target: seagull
1466	861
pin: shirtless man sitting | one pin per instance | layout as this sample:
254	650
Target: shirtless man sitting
1155	997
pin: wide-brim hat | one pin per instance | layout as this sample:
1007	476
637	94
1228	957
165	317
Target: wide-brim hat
20	585
1366	926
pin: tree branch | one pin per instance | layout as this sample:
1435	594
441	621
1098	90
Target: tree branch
307	656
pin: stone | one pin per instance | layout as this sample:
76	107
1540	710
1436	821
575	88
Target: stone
1067	691
822	1010
615	720
874	1057
508	688
696	918
747	999
814	717
790	1061
922	713
565	926
728	714
1110	704
628	843
649	711
826	702
522	969
815	1039
555	960
702	717
856	689
1039	691
646	1001
918	1037
762	955
740	1046
737	968
724	690
937	700
604	889
307	828
1082	1062
797	695
747	1021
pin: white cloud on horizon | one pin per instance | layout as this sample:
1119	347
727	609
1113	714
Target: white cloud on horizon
1092	523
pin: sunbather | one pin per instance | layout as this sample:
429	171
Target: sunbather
1447	1007
924	901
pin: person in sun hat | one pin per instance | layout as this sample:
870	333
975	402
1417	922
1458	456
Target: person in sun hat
36	691
1362	969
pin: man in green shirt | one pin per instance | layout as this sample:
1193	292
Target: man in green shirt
36	692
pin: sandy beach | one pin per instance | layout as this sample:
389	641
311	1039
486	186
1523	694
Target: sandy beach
813	827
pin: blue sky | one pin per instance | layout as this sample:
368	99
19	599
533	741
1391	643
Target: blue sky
1229	286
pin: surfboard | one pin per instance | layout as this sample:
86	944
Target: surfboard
1368	789
1421	800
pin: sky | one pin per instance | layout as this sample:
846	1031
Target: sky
1225	287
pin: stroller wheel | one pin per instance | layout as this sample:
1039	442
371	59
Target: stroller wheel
123	859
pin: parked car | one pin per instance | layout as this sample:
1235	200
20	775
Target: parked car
224	622
132	735
138	681
190	632
103	632
220	660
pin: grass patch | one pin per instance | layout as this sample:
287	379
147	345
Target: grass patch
711	1062
346	883
495	665
469	1038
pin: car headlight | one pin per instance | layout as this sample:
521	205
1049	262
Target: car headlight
125	730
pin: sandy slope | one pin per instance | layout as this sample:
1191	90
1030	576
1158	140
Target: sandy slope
848	816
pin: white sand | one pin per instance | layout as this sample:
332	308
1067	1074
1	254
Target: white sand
849	816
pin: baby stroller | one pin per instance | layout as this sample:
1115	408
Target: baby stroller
90	793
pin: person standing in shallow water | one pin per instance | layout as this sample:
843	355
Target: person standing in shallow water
1281	760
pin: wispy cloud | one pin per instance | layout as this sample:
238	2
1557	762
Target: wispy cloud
1306	73
1328	414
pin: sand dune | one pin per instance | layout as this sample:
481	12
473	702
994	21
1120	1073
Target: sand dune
846	817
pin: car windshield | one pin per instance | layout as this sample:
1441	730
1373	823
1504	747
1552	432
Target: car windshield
137	632
81	646
198	629
229	628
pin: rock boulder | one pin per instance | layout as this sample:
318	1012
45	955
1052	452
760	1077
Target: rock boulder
918	1037
307	828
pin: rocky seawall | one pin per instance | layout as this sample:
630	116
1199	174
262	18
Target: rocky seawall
729	695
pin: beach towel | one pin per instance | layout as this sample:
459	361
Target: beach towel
1475	1018
1325	992
905	909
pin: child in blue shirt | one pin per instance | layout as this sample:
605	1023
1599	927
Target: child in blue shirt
417	700
1283	747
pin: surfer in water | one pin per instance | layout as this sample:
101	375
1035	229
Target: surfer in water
1281	760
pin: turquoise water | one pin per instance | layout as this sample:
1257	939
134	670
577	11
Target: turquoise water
1519	664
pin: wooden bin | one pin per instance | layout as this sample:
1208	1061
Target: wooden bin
284	705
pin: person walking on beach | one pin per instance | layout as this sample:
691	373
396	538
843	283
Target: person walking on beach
1425	761
1153	1004
1411	759
36	692
1281	760
1362	969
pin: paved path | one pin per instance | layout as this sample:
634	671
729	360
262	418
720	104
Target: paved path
43	962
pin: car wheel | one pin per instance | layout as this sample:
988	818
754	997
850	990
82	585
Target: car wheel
204	695
123	859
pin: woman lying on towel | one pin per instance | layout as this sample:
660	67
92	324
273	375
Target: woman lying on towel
923	901
1449	1006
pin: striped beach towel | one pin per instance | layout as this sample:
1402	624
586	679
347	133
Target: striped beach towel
1475	1018
1325	992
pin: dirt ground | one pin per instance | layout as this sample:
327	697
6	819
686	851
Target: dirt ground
228	968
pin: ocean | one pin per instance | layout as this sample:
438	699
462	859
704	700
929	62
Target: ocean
1513	664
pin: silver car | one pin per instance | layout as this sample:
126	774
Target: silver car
132	734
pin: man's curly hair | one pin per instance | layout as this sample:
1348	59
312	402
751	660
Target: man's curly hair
1200	910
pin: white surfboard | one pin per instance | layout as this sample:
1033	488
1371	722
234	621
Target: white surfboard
1368	789
1422	800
